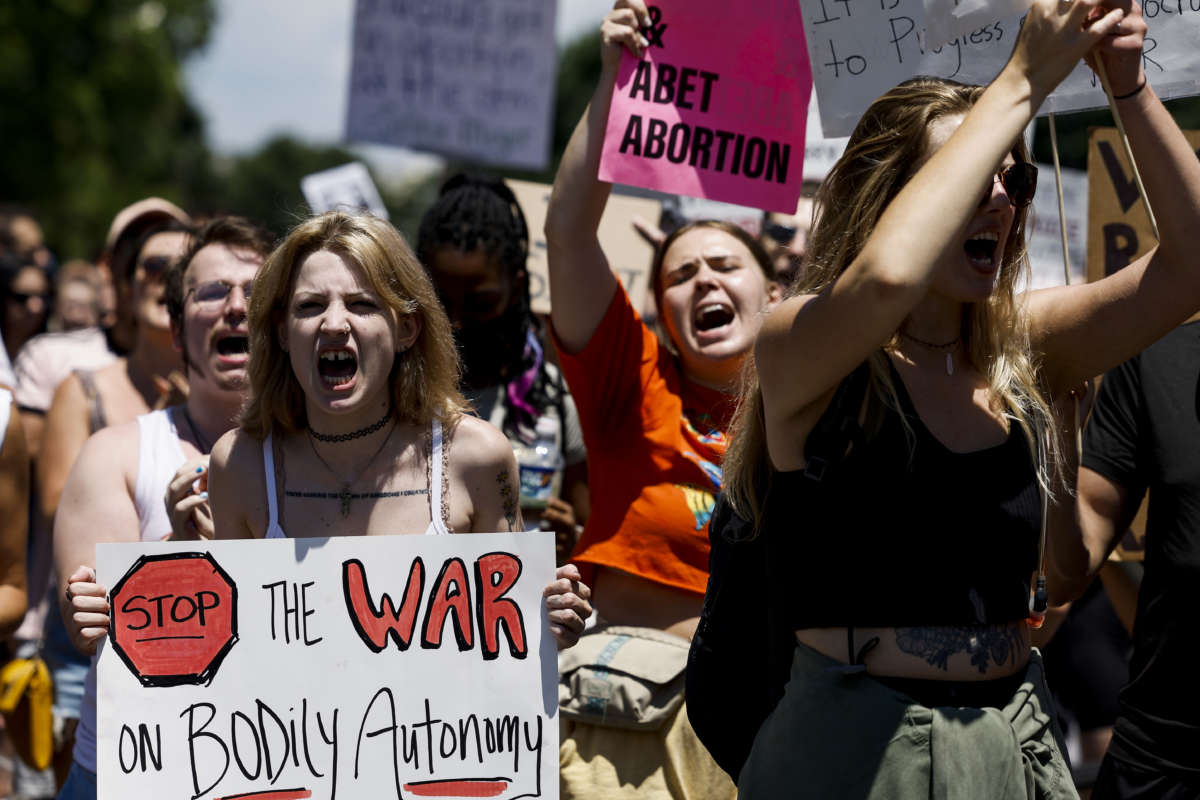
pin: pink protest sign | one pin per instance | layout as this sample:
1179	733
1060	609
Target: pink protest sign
717	105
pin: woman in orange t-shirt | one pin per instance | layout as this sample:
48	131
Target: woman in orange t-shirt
654	410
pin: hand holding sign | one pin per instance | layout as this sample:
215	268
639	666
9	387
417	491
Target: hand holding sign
567	605
1121	52
1055	36
87	610
622	28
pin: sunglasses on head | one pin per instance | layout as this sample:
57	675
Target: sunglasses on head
1019	181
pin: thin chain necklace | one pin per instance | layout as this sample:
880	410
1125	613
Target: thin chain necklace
945	347
358	434
202	443
345	495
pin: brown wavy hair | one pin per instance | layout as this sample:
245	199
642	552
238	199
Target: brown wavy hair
424	379
885	150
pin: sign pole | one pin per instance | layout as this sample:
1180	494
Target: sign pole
1137	176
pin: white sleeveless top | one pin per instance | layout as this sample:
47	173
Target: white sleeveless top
437	525
159	456
5	412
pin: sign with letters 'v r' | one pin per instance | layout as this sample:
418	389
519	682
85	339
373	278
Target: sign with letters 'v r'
381	667
716	106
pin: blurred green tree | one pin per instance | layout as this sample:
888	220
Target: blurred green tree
94	110
265	186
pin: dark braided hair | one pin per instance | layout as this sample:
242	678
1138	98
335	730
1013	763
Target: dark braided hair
479	213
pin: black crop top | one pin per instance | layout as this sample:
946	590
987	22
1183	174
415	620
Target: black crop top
907	534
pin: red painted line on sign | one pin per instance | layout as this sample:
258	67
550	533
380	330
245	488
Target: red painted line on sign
469	787
273	794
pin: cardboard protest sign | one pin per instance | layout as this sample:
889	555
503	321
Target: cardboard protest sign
1119	232
716	106
628	254
861	48
391	666
1045	237
463	78
348	186
947	19
1118	228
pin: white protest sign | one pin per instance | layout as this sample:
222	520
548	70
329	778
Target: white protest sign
947	19
1045	239
348	186
628	254
820	153
465	78
861	48
390	666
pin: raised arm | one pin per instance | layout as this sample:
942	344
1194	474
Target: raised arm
581	283
14	523
1088	329
810	343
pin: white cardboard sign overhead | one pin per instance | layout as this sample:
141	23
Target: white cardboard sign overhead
463	78
390	666
348	186
861	48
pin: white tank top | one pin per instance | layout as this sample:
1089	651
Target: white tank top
437	525
5	412
159	456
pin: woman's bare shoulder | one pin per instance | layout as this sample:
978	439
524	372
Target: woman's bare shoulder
476	443
238	452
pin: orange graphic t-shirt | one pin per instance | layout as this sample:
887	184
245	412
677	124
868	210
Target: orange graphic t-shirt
654	446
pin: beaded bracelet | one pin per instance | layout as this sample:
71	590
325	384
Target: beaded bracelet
1140	86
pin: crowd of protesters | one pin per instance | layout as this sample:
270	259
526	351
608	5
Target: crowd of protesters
205	380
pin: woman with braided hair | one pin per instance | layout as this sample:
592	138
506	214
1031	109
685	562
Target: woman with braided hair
474	243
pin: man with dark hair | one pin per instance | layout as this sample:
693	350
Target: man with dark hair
1144	436
117	489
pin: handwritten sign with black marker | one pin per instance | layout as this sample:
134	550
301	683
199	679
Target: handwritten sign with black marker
392	666
861	48
464	78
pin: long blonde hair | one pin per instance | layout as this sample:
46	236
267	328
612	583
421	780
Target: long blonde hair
424	379
882	155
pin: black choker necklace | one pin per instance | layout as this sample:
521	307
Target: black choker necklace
358	434
931	345
946	347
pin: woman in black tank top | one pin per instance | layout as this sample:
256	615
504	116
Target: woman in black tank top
907	571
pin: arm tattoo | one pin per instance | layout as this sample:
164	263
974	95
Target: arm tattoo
509	498
936	645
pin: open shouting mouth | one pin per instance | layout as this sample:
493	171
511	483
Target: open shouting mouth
337	367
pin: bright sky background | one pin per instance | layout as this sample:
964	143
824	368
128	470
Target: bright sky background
275	66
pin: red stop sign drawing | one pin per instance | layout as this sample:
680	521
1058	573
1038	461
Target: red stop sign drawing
174	618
